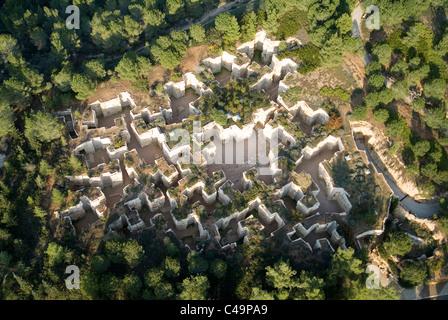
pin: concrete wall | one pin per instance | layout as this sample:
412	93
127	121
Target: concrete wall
334	193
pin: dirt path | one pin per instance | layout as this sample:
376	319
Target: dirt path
357	20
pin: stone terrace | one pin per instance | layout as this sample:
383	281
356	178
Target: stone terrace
140	162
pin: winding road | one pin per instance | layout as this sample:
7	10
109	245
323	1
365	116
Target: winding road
423	210
356	31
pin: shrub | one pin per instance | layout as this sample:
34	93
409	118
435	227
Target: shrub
373	67
413	274
398	129
435	89
413	169
58	198
421	148
335	92
381	115
309	55
376	81
418	104
360	113
395	148
397	244
443	141
428	188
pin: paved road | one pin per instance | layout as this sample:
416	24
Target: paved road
438	291
356	18
422	210
356	31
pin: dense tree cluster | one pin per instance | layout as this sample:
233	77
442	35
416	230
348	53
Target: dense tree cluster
412	62
237	98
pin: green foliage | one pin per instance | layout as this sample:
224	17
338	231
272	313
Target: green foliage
376	81
42	128
171	267
15	92
413	169
398	243
197	34
164	291
288	24
248	26
83	86
343	272
168	50
129	252
112	31
141	85
44	168
6	121
196	264
382	52
443	141
420	38
63	78
308	55
5	258
94	69
331	52
260	294
399	69
421	148
373	67
414	274
153	277
131	285
218	268
436	118
90	285
219	117
344	23
55	254
429	170
360	113
100	263
228	25
8	47
418	104
131	66
361	292
381	115
335	92
280	275
398	129
194	288
428	189
435	89
237	97
174	8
